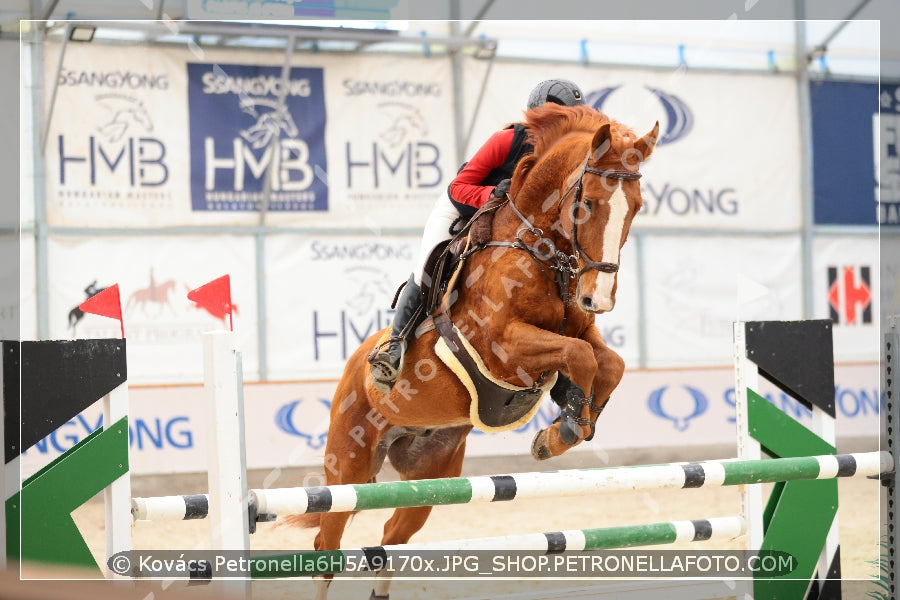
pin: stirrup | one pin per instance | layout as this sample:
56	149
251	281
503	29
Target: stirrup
383	368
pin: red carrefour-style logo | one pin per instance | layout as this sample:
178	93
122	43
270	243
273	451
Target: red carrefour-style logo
850	295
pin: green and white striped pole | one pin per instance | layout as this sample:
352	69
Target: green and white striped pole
500	488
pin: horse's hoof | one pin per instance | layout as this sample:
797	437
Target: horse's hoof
539	448
373	596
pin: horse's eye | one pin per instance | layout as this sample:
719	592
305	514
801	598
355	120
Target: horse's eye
582	210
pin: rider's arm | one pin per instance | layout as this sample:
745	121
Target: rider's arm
466	187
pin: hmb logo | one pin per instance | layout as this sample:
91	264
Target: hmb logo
257	138
850	295
123	154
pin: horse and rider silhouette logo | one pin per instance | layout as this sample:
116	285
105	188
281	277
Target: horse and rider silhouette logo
400	122
123	112
268	122
76	314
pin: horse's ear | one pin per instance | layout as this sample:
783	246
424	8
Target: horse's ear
601	142
646	144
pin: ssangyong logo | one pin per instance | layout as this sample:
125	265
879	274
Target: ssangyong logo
678	406
314	431
679	118
850	295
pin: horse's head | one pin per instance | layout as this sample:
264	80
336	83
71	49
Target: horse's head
585	172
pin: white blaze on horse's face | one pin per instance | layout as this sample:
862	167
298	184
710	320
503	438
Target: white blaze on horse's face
603	299
604	195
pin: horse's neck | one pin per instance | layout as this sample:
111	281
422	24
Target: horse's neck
508	224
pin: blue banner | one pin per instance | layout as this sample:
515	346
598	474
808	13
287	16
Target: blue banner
245	124
844	117
889	167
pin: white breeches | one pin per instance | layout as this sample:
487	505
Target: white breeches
437	229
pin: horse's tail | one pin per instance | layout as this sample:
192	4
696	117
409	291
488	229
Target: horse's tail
304	521
307	520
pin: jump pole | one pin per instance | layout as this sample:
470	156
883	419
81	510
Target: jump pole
322	562
501	488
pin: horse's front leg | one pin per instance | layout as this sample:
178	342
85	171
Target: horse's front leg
610	369
526	349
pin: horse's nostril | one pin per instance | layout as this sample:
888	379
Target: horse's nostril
587	303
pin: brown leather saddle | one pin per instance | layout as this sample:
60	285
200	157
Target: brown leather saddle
498	406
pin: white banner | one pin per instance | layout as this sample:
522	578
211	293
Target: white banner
890	275
331	292
326	295
728	153
696	287
287	423
154	274
846	289
154	137
117	145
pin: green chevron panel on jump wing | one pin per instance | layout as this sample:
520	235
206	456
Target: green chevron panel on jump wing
799	514
49	496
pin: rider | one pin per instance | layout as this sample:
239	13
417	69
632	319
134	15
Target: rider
484	177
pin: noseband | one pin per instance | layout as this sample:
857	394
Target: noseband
577	251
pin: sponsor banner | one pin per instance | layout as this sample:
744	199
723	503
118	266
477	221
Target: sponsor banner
287	423
856	180
391	139
379	10
330	293
117	144
245	122
846	289
887	154
154	137
164	329
711	169
695	289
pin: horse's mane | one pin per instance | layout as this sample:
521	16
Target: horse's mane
548	124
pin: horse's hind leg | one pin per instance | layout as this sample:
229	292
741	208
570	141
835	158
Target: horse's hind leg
437	455
352	443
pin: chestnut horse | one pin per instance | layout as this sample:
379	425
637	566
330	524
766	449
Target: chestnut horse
525	301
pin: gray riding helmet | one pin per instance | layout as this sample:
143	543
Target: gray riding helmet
558	91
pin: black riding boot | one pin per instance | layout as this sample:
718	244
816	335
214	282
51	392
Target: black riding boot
385	365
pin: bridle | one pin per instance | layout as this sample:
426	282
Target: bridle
544	251
577	251
544	248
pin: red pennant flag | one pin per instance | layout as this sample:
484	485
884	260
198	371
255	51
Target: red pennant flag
215	298
106	304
